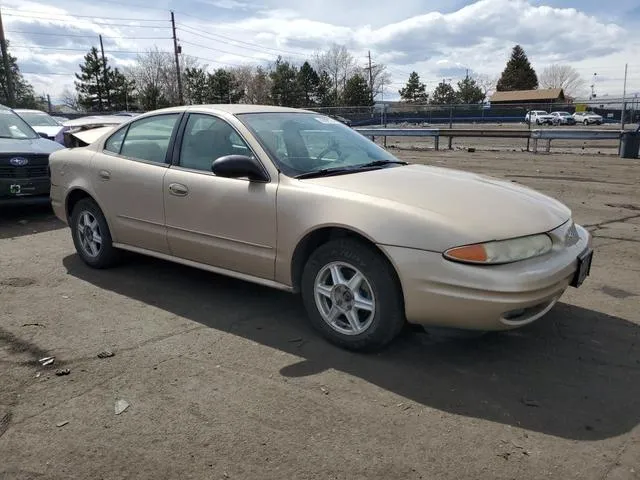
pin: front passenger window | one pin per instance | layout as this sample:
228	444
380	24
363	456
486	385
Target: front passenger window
148	138
207	138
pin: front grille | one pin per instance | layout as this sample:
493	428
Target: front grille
28	171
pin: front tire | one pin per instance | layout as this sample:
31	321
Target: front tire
91	235
351	295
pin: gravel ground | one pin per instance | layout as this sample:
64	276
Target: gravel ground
225	379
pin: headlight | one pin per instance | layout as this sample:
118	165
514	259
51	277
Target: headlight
501	251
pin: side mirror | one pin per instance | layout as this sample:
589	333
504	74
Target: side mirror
238	166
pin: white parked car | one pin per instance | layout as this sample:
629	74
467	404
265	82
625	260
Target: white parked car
563	118
539	117
41	122
588	118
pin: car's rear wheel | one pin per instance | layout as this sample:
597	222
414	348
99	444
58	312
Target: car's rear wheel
586	122
352	296
91	235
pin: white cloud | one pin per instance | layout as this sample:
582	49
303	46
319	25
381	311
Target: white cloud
478	36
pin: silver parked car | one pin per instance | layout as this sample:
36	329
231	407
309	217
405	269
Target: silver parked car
588	118
563	118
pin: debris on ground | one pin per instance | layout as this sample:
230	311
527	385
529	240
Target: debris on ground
106	354
295	340
324	390
62	424
23	222
530	403
121	406
62	371
46	361
32	325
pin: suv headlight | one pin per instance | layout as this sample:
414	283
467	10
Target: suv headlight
501	251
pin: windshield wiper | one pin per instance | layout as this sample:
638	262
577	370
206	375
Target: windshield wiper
381	163
325	172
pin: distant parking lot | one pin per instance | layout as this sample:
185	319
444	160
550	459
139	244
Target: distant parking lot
225	379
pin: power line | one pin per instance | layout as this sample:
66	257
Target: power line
96	23
210	35
218	50
38	47
86	36
124	19
47	73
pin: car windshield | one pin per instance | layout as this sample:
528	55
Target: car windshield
564	114
303	143
38	119
12	126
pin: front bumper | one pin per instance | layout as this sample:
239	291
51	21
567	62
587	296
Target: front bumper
16	190
439	292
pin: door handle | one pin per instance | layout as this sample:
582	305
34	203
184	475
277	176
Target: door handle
104	175
178	189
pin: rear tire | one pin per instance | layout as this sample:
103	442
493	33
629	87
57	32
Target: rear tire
91	235
351	295
586	123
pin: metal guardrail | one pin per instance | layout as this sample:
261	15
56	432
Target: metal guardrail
555	134
401	132
538	134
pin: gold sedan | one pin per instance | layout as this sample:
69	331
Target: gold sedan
298	201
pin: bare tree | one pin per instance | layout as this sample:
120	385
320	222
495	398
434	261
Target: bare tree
254	82
562	76
70	99
380	78
339	64
486	83
155	77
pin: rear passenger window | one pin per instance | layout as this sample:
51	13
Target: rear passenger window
114	142
148	138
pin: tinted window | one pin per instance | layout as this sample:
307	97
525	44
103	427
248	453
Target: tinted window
114	142
207	138
148	138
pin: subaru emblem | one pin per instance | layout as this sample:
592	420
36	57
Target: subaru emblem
18	161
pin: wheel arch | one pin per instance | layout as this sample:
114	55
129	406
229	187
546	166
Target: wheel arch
321	235
74	196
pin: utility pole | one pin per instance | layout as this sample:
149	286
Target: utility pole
104	70
624	98
176	50
370	77
49	103
8	74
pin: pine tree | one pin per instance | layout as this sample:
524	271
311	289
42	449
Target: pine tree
414	91
195	86
444	94
285	90
223	88
518	74
91	88
308	80
121	91
357	92
325	92
22	90
469	92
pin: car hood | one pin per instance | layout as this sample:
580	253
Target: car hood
480	206
49	130
32	145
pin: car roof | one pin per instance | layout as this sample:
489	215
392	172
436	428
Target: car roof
234	109
29	110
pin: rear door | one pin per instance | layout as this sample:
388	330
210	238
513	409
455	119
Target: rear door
128	179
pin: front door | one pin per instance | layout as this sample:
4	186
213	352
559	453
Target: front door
128	181
223	222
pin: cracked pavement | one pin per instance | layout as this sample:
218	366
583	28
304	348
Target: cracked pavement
226	380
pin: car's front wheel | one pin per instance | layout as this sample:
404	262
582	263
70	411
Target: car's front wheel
91	235
352	296
586	122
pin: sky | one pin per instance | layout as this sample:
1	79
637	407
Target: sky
439	39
